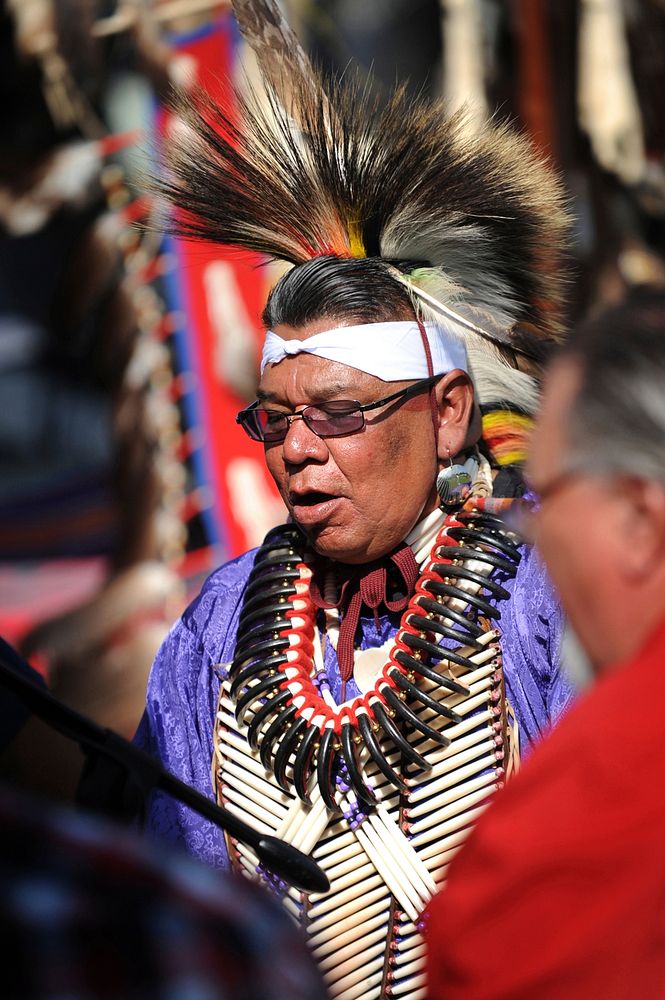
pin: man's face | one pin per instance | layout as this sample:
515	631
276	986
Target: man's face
356	496
576	526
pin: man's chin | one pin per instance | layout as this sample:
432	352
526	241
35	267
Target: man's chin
333	543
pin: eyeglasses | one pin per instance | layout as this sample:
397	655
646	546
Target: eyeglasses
522	516
330	419
555	485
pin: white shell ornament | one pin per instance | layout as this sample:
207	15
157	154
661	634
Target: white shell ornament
368	664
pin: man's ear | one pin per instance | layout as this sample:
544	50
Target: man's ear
458	426
643	526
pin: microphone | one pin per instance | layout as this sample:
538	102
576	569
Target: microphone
141	774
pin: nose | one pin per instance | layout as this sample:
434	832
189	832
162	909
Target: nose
302	444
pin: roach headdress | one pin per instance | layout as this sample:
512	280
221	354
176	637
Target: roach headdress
472	220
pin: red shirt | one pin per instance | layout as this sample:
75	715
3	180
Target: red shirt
560	890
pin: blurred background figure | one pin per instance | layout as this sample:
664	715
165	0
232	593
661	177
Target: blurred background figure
90	910
121	354
105	509
80	460
564	876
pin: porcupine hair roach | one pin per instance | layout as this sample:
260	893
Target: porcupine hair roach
321	169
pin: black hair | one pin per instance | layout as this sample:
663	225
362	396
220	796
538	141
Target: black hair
330	287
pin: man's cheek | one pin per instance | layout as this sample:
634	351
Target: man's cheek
275	465
396	445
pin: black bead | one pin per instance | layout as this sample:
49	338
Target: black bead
448	590
411	663
263	599
268	581
462	573
255	634
260	650
274	612
464	535
274	557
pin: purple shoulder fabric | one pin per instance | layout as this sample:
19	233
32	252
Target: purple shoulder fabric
178	722
532	626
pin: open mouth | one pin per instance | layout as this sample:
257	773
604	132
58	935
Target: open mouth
310	499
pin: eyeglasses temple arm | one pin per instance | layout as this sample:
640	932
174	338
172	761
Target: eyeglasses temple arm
411	390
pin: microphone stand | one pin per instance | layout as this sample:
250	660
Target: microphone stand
141	774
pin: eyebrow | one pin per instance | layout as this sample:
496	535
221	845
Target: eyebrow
332	390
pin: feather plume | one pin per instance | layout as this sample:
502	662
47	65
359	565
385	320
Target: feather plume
473	217
281	59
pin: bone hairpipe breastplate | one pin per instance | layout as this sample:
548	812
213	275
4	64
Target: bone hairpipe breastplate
387	850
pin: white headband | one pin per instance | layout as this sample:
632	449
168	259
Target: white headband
391	351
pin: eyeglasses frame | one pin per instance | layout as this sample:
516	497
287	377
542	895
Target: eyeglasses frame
403	394
522	517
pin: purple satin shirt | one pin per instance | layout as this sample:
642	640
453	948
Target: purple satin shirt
183	688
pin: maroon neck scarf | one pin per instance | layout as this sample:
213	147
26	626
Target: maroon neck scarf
365	585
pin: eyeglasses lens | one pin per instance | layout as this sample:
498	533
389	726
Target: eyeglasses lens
338	417
250	421
272	425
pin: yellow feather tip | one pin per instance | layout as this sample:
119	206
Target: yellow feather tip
356	245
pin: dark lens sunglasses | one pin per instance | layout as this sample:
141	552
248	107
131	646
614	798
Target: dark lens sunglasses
331	419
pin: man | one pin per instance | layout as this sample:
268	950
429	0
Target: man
359	682
563	880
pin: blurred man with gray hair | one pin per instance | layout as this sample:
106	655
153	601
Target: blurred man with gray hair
564	877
